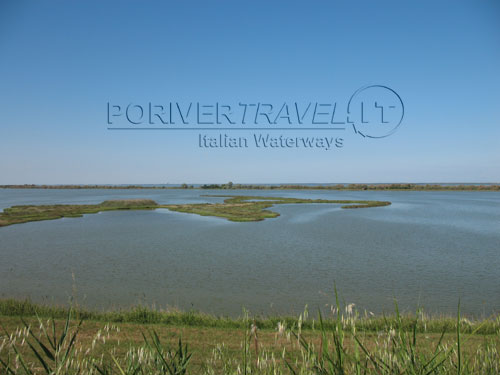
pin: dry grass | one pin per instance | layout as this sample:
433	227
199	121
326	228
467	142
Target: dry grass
126	348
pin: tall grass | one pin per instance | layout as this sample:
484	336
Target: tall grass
335	345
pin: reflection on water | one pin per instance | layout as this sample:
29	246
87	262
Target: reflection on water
427	248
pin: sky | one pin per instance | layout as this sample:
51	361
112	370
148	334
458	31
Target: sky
62	62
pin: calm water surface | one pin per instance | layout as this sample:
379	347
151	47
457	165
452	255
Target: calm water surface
427	248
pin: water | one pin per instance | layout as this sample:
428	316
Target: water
427	248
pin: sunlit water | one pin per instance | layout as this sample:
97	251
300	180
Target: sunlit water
427	248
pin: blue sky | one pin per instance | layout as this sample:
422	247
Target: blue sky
62	62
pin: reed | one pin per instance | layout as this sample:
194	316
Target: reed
327	345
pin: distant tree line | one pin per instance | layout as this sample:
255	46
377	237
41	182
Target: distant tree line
354	187
230	185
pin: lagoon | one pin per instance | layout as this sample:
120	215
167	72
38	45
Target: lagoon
427	248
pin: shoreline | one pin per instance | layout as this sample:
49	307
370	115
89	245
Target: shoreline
142	315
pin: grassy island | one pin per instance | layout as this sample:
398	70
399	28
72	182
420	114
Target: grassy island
25	214
234	208
254	208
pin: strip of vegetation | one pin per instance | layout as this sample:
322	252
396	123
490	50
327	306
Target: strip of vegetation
146	315
234	208
27	213
254	208
404	187
230	185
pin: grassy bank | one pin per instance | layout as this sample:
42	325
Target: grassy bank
172	317
144	341
234	208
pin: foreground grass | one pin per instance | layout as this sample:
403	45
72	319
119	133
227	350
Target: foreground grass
234	208
343	343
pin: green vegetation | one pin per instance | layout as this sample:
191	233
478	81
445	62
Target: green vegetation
235	208
79	342
24	214
254	208
173	317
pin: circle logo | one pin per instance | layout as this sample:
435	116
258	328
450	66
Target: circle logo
375	111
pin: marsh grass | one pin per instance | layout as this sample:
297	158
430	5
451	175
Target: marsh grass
365	322
241	208
339	343
28	213
234	208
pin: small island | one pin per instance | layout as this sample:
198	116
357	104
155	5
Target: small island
234	208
